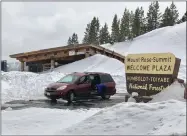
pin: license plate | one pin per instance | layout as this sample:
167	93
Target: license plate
48	93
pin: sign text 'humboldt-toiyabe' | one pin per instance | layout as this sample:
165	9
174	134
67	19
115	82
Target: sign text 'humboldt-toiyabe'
150	73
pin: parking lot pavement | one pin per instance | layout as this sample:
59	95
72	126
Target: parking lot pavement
95	102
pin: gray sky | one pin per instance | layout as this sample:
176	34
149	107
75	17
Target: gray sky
28	26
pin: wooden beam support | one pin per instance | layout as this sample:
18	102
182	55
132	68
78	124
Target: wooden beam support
22	65
52	64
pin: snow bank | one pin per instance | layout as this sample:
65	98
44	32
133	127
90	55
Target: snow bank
96	63
168	39
25	85
174	91
121	47
41	121
163	118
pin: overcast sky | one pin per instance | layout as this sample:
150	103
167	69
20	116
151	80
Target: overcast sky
30	26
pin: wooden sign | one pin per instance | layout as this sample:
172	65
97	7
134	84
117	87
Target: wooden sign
148	74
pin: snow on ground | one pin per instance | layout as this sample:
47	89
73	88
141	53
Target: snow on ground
121	47
25	85
174	91
168	39
41	121
162	118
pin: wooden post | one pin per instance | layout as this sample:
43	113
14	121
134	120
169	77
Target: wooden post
52	64
87	54
22	65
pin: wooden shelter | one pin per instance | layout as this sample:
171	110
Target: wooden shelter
45	59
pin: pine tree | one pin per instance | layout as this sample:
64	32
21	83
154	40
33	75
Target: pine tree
97	31
170	16
166	17
153	16
93	35
184	18
143	27
131	19
136	23
156	15
69	41
74	39
115	36
104	36
125	26
150	12
174	14
86	34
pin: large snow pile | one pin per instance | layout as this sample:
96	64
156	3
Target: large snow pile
41	121
168	39
96	63
25	85
121	47
174	91
162	118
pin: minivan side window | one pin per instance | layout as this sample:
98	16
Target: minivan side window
106	78
84	79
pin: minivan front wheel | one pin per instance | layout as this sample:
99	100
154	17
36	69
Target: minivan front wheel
106	97
71	97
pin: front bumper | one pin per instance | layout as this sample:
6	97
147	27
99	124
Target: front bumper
53	95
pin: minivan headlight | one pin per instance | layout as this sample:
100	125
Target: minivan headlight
61	88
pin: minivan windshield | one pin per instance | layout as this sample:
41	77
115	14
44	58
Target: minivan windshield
68	79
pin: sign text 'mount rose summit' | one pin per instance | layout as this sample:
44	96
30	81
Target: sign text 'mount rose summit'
148	74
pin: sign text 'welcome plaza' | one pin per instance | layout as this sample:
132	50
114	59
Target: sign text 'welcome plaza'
150	73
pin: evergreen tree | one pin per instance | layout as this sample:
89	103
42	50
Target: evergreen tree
153	16
150	12
166	18
74	39
131	19
174	14
142	19
136	23
183	19
115	36
125	26
93	35
97	30
156	15
104	36
170	16
69	41
86	34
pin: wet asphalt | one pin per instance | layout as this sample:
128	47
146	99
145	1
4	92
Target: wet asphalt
95	102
